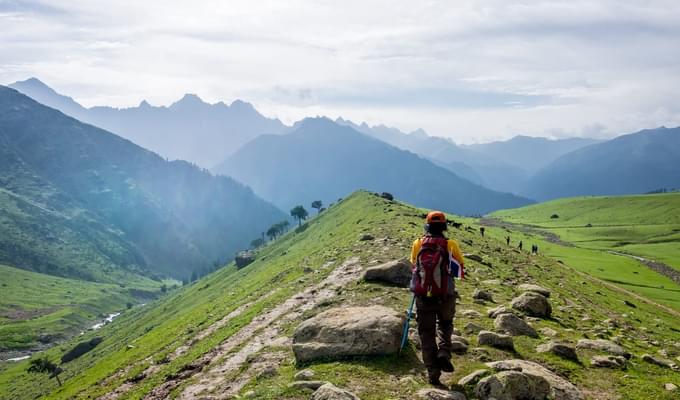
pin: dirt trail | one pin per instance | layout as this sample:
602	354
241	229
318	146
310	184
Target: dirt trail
535	230
211	372
663	269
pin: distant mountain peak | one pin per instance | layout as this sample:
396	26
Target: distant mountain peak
420	132
144	104
189	99
241	105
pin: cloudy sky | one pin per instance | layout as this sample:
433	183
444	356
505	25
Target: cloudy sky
474	71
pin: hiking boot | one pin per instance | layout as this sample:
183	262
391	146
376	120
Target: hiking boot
444	363
433	378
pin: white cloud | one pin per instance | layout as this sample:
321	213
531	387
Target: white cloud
470	70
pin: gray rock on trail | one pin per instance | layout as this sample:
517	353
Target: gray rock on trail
473	378
332	392
560	388
480	294
496	340
494	312
310	385
560	349
511	385
602	345
533	304
457	338
608	362
439	394
304	375
657	361
458	347
348	331
513	326
472	328
397	272
530	287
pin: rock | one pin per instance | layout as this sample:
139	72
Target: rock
311	385
480	294
496	340
512	385
528	287
244	258
604	346
560	388
458	338
494	312
473	378
514	326
608	362
366	237
304	375
472	328
474	257
439	394
458	347
559	349
348	331
548	331
470	313
397	272
532	304
331	392
656	361
670	387
268	372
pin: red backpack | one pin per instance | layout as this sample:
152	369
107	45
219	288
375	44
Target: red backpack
431	272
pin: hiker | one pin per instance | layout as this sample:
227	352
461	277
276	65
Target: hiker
507	240
436	261
481	230
520	245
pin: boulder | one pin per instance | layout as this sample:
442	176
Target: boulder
532	304
439	394
244	258
512	385
348	331
458	338
560	388
310	385
513	326
397	272
560	349
496	340
494	312
458	347
473	378
480	294
472	328
304	375
608	362
657	361
329	391
602	345
529	287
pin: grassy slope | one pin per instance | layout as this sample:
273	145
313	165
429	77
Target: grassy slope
154	332
34	304
644	225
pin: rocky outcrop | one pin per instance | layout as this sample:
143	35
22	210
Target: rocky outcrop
512	385
603	345
397	272
608	362
480	294
499	341
473	378
533	304
348	331
513	325
529	287
560	388
559	349
494	312
332	392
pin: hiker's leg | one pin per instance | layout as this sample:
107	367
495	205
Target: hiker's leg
426	316
445	313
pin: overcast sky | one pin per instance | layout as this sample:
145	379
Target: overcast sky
474	71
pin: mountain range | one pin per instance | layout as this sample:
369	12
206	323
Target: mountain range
189	129
78	201
323	160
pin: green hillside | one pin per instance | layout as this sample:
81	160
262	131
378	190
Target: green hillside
212	337
37	309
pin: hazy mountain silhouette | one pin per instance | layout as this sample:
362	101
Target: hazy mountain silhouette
634	163
530	153
74	197
324	160
190	129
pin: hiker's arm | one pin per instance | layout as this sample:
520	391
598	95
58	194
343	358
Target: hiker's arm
414	251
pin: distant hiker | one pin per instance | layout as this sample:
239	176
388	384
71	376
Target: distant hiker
436	261
507	240
534	249
481	230
520	245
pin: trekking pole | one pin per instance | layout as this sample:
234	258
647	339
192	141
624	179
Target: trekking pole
404	335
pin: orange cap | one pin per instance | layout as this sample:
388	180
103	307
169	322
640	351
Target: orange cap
435	216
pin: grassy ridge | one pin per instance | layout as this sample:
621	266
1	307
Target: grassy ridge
145	336
35	305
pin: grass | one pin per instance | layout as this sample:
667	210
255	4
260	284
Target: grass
35	306
146	335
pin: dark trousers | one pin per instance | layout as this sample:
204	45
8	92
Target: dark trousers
435	326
